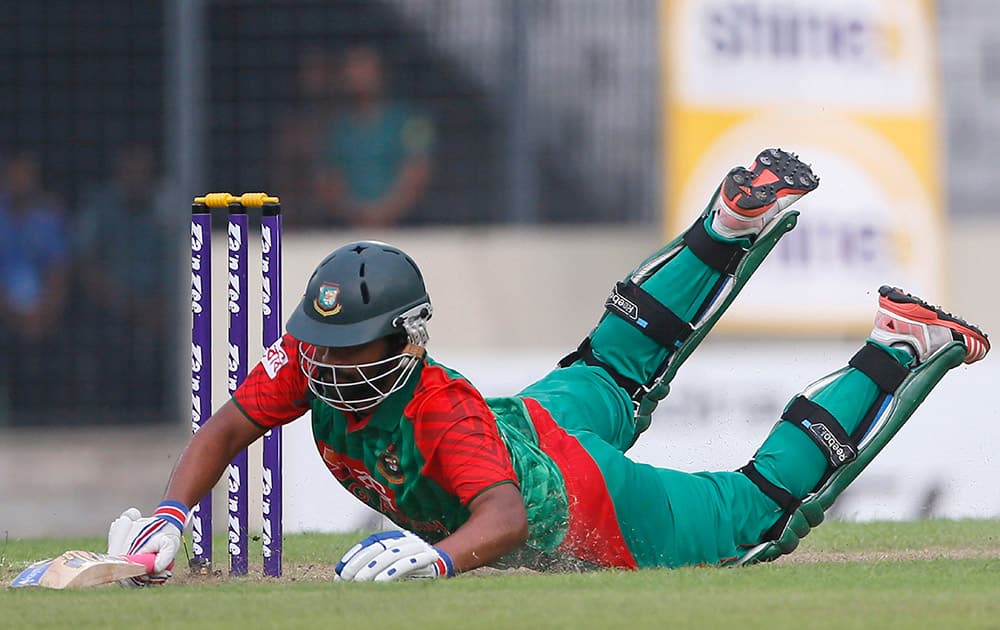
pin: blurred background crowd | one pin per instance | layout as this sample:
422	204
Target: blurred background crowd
359	114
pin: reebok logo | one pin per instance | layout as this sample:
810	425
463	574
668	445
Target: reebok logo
839	453
622	305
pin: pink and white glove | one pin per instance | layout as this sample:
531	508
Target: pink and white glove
160	533
393	555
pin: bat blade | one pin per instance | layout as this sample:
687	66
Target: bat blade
80	569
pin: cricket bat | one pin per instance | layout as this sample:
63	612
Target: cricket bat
79	569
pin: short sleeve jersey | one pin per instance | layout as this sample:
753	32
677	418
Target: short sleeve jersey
370	154
431	448
31	244
424	454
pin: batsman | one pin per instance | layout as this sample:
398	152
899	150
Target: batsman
543	479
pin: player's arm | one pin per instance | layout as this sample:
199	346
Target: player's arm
498	524
413	180
331	190
200	466
466	456
210	450
272	395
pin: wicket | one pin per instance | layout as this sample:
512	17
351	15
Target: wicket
201	368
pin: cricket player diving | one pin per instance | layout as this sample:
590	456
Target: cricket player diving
542	479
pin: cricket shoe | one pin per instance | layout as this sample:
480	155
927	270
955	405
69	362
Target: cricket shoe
907	321
750	197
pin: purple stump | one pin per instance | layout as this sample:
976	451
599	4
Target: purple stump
238	346
270	232
201	368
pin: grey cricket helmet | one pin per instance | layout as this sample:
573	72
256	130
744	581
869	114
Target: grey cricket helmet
360	292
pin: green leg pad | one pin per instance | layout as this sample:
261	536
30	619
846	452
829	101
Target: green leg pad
907	398
761	247
755	255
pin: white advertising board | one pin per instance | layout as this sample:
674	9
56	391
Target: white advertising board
849	86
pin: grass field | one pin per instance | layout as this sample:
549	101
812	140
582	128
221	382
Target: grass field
929	574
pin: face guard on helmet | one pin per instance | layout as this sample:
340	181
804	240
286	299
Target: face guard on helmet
362	386
362	292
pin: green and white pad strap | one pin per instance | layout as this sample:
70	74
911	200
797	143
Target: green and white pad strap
736	263
847	455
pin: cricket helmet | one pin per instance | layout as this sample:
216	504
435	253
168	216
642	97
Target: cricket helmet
359	293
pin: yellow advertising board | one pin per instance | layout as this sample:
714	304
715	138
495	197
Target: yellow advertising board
851	87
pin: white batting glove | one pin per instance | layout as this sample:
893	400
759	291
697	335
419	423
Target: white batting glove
119	534
390	556
160	533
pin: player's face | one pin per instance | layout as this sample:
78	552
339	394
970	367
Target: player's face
357	378
346	360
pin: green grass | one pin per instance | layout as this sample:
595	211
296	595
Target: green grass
928	591
892	536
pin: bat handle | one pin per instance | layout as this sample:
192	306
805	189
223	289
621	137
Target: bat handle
145	559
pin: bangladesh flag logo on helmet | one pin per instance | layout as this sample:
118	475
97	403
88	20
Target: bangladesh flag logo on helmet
327	301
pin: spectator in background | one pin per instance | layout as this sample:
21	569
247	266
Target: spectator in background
127	273
298	141
34	256
376	165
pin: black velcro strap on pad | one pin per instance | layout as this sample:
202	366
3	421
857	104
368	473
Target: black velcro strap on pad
584	353
721	256
785	499
641	309
823	429
881	367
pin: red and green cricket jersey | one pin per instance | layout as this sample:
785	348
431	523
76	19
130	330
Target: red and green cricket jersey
431	448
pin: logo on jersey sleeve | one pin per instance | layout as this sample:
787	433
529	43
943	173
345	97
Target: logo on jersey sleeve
327	301
274	359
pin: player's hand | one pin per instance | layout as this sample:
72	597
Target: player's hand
160	533
393	555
